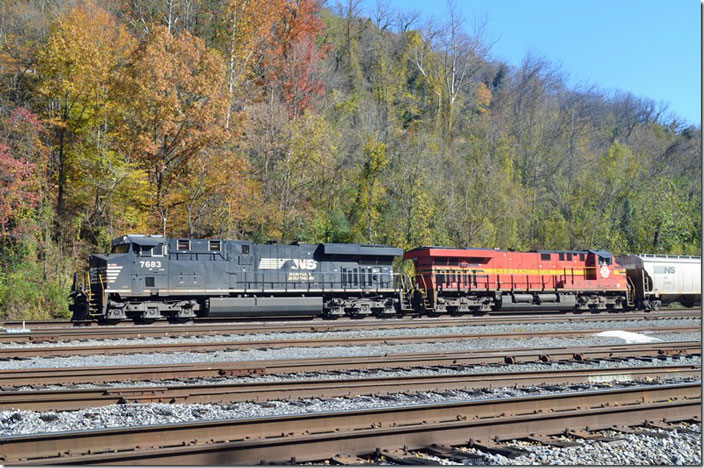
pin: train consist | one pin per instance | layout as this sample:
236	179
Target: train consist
145	278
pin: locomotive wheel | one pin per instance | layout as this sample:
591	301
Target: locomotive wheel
105	321
180	320
143	321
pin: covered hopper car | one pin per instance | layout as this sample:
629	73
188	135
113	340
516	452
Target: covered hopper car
663	279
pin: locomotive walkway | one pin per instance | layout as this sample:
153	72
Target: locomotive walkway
319	436
72	399
454	360
234	345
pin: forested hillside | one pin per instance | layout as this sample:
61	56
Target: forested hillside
292	120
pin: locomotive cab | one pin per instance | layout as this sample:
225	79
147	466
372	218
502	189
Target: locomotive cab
108	276
599	264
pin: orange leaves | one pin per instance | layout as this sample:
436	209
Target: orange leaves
172	106
173	98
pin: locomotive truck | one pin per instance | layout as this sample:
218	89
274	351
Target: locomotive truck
145	278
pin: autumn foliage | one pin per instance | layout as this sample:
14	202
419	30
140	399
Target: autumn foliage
304	120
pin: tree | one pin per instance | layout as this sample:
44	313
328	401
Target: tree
17	191
173	107
370	191
75	66
250	25
295	59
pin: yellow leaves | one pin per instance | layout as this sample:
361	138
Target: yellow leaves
81	54
249	28
483	97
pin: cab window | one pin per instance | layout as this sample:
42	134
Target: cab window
158	250
604	261
120	248
145	251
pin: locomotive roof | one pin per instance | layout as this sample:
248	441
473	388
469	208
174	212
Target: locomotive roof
426	247
601	253
139	239
361	249
328	248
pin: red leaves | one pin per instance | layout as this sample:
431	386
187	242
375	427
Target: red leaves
17	194
295	60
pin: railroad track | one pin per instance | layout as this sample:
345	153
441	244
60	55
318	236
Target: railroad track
34	333
234	345
274	321
319	436
455	360
72	399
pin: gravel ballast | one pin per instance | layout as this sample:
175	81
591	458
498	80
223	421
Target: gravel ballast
682	446
129	415
325	352
393	332
382	373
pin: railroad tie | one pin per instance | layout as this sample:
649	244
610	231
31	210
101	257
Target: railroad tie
403	458
586	435
453	454
547	440
495	448
669	427
628	430
341	459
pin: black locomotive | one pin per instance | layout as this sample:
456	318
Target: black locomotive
145	278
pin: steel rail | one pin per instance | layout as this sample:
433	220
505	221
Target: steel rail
72	399
15	335
508	316
316	436
234	345
136	373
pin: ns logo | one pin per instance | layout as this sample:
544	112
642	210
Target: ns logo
304	264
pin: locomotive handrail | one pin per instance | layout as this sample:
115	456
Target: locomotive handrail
256	285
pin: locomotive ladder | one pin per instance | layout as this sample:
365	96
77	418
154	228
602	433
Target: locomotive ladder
404	291
91	295
426	302
631	292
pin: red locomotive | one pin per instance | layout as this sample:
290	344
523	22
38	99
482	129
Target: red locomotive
461	280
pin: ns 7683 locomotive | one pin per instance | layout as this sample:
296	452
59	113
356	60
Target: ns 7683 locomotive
149	277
